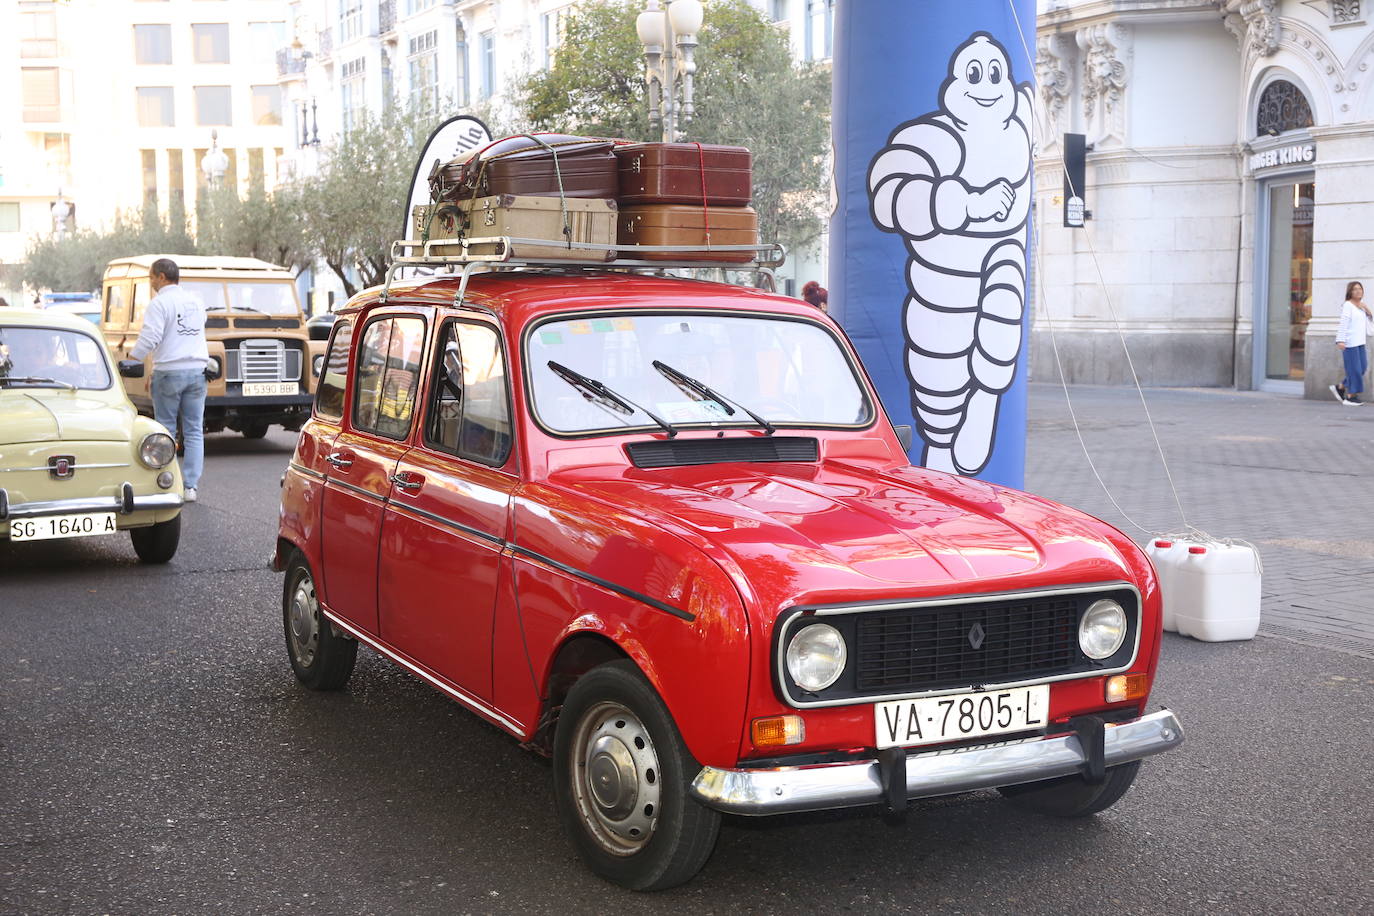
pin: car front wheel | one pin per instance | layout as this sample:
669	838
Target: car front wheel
1070	796
321	659
621	773
157	543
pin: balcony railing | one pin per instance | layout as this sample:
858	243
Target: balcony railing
288	63
386	16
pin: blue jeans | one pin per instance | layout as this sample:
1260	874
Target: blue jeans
1356	362
179	394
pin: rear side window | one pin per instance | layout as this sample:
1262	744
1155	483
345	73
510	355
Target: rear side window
116	308
387	376
469	411
329	399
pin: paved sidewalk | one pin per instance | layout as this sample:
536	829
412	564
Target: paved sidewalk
1294	477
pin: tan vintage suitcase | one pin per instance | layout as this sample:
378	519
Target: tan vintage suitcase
589	222
675	224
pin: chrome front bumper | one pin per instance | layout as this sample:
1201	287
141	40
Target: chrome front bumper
843	785
123	504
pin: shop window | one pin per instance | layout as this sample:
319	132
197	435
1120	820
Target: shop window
1282	107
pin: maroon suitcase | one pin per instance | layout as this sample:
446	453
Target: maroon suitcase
538	165
685	173
677	224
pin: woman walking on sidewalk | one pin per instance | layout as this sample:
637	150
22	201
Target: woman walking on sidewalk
1356	322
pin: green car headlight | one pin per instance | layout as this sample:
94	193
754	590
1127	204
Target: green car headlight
157	450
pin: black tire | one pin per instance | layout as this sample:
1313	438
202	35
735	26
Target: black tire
157	543
255	430
650	834
1070	796
321	660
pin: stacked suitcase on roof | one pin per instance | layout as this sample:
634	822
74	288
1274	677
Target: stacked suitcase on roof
586	196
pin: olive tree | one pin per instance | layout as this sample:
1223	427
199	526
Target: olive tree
748	93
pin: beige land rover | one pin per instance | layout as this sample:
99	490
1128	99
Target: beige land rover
255	329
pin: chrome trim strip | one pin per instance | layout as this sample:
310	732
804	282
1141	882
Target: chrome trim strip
308	472
75	467
447	522
461	696
94	504
784	790
786	618
361	491
604	583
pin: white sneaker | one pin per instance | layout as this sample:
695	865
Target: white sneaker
190	496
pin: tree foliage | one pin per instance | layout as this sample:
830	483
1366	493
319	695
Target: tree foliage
76	262
748	93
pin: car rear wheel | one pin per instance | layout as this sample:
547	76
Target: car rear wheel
621	773
321	659
1071	796
157	543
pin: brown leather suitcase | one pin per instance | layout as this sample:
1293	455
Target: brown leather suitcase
534	165
684	173
677	224
591	222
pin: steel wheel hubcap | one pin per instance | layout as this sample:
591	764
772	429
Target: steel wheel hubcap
305	621
616	782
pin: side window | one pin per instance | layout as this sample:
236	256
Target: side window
388	374
140	301
469	410
116	314
329	399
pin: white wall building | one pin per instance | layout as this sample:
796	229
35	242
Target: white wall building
112	103
346	56
1230	180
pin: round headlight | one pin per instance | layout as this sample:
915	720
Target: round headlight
317	364
157	450
1102	629
816	656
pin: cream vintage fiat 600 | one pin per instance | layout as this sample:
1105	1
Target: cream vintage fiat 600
76	459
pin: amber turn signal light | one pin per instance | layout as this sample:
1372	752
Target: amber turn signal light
1125	687
776	731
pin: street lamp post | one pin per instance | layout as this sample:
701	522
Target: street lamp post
669	37
214	163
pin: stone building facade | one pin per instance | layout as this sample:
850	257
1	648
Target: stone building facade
1229	185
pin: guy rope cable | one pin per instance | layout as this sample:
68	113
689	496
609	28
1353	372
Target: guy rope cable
1116	321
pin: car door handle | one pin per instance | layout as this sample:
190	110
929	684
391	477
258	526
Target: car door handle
407	481
338	460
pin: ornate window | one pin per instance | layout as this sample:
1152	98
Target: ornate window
1282	107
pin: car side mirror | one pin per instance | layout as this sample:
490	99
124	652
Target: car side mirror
131	368
453	368
904	436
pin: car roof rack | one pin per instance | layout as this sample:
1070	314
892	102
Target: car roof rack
466	256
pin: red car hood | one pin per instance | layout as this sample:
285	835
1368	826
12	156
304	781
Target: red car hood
836	531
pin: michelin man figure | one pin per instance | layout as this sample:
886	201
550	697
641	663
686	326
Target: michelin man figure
955	184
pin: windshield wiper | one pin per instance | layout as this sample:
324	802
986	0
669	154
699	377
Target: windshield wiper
599	394
36	380
700	392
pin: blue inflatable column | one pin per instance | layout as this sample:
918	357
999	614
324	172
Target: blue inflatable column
929	245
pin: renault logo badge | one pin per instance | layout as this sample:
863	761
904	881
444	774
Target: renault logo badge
976	636
62	467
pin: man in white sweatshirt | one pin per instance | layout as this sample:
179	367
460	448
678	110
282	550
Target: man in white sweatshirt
174	333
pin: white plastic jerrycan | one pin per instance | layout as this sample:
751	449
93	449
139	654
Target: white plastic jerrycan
1217	587
1166	553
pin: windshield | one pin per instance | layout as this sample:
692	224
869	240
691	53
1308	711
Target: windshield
268	298
51	358
783	371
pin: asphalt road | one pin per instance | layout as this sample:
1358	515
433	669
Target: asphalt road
157	756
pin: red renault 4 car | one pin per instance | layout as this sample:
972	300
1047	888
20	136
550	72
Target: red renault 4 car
662	530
